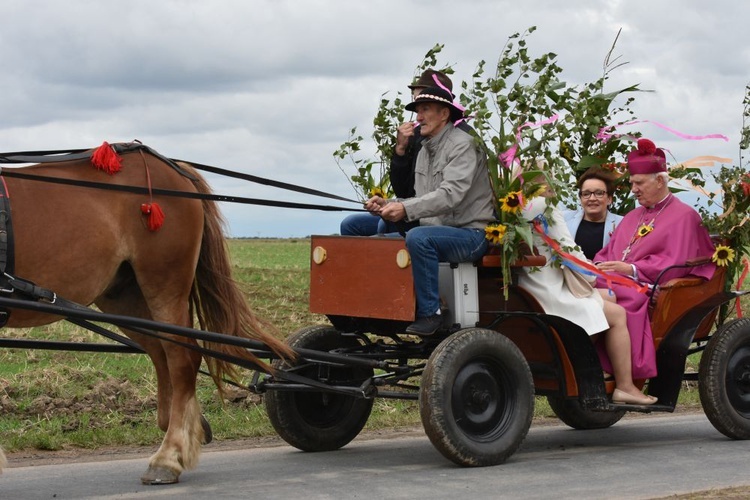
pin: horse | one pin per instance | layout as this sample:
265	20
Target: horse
104	247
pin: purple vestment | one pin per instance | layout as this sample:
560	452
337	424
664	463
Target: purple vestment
677	236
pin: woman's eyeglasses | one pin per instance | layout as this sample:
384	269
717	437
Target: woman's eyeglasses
596	194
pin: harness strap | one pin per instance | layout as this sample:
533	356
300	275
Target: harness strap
169	192
125	147
62	155
30	289
48	156
267	182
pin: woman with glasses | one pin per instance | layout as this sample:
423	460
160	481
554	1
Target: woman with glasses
593	224
595	311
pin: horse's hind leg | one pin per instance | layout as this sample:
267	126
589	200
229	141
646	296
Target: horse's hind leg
178	409
180	448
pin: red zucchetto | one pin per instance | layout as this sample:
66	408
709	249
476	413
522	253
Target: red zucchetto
646	159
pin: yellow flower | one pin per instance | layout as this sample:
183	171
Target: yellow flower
376	191
644	230
512	202
495	232
723	255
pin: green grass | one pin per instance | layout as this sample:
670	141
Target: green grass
270	254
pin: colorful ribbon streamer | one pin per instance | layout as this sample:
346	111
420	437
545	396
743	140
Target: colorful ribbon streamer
455	104
743	275
703	161
509	157
604	135
572	260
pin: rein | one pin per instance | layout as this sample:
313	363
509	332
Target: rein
170	192
63	155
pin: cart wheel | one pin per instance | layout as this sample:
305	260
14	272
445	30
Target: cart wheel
724	379
320	421
476	398
570	412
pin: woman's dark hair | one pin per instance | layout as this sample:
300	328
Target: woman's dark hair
597	172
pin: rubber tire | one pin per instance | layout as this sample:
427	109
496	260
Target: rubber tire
570	412
320	421
487	426
724	379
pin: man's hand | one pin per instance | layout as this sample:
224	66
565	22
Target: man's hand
393	211
404	131
375	204
616	266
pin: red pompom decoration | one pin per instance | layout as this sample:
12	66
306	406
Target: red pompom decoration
154	214
105	158
646	147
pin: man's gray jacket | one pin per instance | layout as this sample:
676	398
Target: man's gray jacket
451	182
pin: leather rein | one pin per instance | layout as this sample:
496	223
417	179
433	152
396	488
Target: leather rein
53	156
10	284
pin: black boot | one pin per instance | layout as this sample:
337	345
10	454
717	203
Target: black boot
425	326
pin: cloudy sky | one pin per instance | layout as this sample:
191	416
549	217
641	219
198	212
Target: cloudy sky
272	87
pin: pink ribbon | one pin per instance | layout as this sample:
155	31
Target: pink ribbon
455	104
509	157
604	136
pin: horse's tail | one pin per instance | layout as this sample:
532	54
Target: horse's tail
218	301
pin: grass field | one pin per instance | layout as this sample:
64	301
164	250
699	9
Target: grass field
53	400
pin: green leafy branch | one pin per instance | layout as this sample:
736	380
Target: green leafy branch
371	175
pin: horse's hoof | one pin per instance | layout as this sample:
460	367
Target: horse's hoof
159	475
208	434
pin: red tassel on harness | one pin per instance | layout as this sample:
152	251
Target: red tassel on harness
155	215
105	158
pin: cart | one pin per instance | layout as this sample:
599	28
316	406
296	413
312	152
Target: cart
477	377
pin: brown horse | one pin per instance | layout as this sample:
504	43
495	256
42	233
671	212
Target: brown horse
94	246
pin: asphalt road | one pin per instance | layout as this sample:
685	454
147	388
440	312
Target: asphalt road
637	458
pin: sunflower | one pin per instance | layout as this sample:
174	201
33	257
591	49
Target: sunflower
644	230
376	191
495	232
723	255
512	202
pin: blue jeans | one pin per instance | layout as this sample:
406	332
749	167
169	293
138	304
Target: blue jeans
430	245
365	225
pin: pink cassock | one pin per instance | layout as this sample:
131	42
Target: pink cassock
677	236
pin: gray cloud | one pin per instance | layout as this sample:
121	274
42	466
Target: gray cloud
273	87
